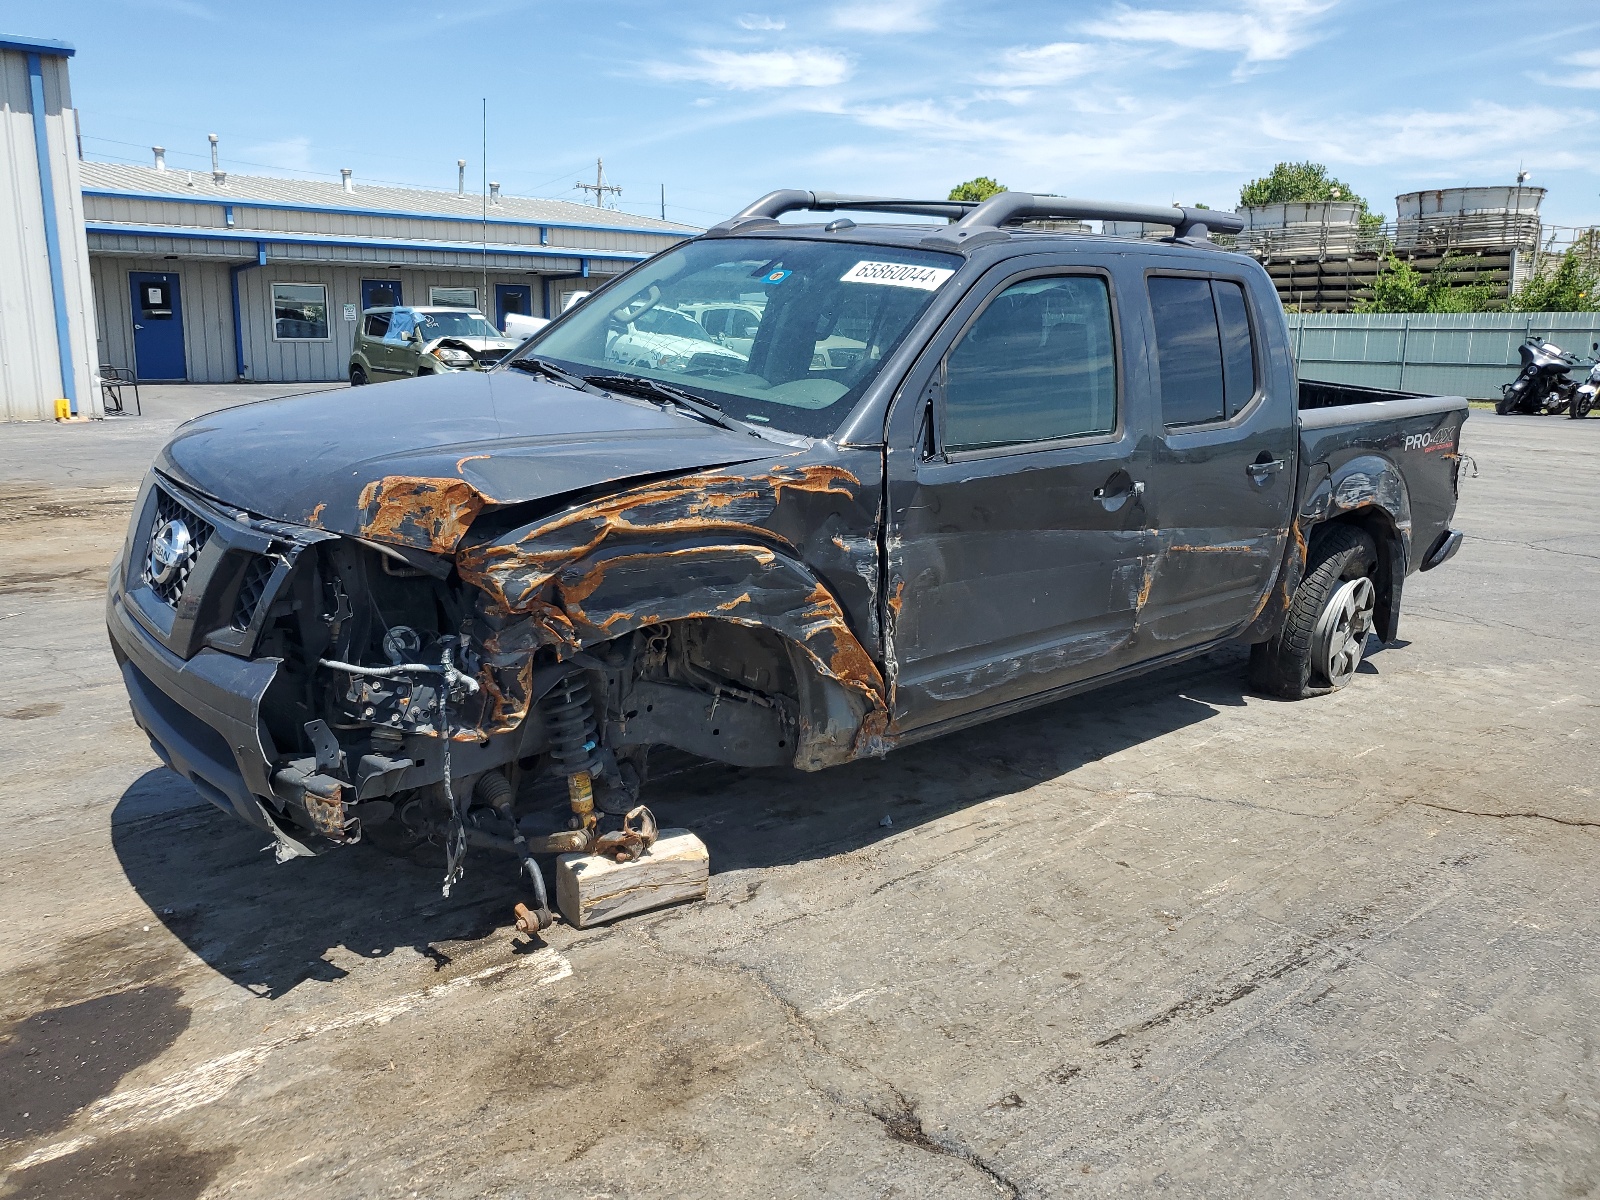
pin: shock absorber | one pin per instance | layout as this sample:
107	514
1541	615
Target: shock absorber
568	714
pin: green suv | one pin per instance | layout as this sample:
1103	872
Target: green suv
396	342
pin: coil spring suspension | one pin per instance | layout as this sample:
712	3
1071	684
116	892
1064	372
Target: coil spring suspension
568	712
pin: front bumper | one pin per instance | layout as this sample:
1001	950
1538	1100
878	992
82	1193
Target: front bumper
202	716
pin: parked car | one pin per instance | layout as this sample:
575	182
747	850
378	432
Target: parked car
520	328
671	339
1051	461
394	343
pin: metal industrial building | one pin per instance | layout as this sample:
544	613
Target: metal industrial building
211	277
46	305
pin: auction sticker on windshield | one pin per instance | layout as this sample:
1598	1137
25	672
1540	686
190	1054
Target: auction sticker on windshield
924	279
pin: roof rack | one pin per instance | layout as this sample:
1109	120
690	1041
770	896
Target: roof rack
774	204
974	219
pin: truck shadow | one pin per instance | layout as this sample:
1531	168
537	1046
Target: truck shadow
269	928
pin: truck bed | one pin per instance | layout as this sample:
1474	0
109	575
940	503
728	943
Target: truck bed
1399	450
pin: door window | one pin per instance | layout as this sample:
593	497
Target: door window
1038	364
1204	348
377	324
400	324
155	299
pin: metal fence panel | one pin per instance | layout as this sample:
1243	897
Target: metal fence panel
1453	354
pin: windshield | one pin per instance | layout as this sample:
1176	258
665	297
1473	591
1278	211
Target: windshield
777	332
454	324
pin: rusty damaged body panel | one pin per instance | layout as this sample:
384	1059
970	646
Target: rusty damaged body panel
399	609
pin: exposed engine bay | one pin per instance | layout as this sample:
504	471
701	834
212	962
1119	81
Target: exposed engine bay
407	710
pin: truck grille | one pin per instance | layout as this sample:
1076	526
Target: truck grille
251	589
185	532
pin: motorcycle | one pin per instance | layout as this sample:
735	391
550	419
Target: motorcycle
1543	385
1583	400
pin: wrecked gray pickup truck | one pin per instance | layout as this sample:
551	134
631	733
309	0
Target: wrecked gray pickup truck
785	494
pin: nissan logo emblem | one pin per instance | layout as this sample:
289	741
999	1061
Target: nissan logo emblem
171	548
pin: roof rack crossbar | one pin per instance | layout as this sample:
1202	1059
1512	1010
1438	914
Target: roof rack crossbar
1009	207
775	204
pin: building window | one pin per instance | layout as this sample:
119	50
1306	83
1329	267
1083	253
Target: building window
299	312
453	297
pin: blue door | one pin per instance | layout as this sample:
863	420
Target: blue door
380	293
512	298
157	326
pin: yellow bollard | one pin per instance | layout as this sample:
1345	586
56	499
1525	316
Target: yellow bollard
63	410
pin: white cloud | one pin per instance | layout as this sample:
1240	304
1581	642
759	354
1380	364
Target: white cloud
1261	30
758	21
1588	75
1482	136
753	70
1042	66
885	16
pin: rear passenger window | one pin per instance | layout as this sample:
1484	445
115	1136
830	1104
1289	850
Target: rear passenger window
1039	363
1204	348
377	324
1238	351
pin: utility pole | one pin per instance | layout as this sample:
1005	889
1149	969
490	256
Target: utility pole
599	187
663	202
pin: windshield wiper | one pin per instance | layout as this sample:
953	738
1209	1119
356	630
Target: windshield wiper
538	366
640	385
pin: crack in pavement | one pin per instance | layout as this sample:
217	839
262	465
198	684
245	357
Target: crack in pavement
1528	816
901	1123
904	1125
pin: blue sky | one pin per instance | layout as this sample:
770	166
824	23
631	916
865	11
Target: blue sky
1156	101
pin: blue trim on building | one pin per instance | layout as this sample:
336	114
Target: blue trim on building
241	369
408	214
318	239
41	46
52	234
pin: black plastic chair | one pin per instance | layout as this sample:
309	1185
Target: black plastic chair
112	381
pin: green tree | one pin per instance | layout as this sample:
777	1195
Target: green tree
980	188
1303	182
1572	284
1401	288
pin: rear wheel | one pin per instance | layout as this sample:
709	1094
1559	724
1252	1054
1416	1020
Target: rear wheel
1330	618
357	375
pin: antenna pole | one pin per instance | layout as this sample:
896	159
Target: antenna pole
663	202
483	299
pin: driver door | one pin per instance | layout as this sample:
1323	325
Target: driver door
1016	524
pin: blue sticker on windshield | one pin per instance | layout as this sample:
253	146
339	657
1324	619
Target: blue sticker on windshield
776	277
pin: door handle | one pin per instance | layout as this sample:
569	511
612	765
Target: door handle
1118	490
1259	471
138	326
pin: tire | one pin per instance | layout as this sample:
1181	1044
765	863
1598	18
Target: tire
1326	630
358	377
